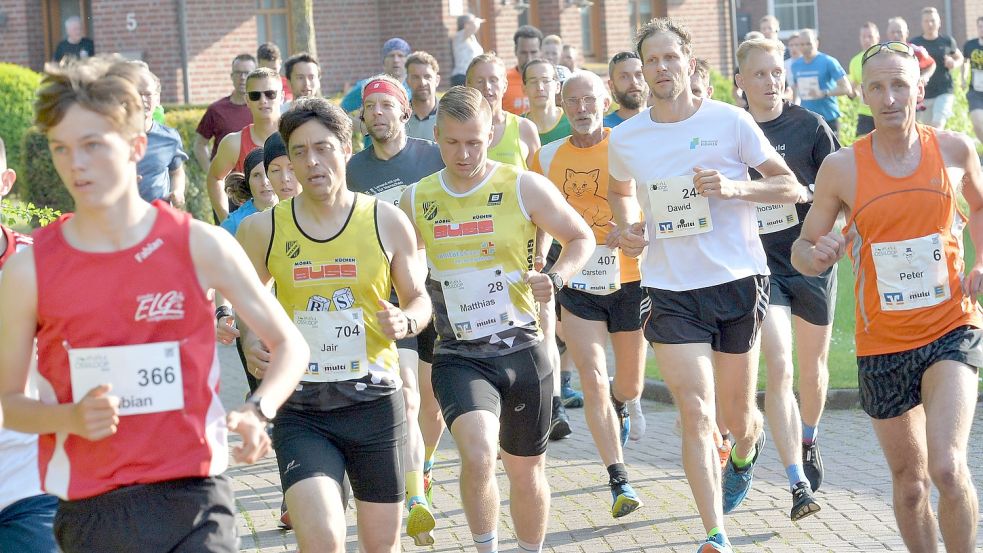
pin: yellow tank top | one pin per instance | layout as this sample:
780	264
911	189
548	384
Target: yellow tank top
510	149
479	246
331	288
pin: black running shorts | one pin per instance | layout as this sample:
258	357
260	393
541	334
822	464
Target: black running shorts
727	316
623	311
517	388
189	515
811	298
891	384
364	439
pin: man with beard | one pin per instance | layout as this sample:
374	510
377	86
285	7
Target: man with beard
627	84
392	162
422	76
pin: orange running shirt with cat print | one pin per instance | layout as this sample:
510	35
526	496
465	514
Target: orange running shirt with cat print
581	175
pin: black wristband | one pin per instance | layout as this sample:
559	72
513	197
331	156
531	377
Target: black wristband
222	311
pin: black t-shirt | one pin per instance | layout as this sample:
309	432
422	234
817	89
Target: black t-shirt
84	49
973	52
804	140
941	80
370	175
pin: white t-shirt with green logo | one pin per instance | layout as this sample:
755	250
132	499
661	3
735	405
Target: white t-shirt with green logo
718	136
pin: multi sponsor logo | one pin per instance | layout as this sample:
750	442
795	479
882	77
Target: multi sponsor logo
158	306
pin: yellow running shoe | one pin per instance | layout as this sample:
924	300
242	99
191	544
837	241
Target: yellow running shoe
420	523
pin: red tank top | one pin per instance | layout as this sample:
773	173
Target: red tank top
246	145
144	294
15	242
906	245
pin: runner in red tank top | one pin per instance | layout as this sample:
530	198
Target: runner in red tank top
264	96
126	349
919	342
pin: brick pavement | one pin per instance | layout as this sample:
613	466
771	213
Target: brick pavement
856	513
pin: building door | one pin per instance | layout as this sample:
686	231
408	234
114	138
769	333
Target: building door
54	13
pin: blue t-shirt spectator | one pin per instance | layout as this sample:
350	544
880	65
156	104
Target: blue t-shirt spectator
165	153
232	222
612	120
813	80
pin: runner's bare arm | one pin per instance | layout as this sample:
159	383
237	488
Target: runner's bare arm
550	212
529	135
406	205
200	148
960	149
220	167
222	265
407	271
18	326
778	185
819	245
254	236
629	234
842	88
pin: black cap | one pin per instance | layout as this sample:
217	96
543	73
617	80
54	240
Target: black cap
272	149
253	159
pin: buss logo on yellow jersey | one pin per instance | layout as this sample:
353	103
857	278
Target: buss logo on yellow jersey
307	273
457	230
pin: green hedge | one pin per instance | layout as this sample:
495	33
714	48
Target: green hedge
17	88
185	121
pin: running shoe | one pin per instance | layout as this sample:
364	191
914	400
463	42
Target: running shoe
637	418
572	399
717	544
724	445
624	500
285	516
803	504
559	422
737	482
624	420
428	482
420	522
812	464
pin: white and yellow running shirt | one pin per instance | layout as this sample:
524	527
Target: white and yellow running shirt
330	288
479	246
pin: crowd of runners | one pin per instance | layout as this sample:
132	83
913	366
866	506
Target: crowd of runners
452	274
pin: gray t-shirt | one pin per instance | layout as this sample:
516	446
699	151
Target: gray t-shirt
386	179
422	128
165	153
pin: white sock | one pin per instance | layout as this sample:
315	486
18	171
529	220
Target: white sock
486	543
530	547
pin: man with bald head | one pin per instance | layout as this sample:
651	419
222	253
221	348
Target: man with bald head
605	299
918	321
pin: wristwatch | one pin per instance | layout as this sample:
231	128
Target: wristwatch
557	281
411	325
265	411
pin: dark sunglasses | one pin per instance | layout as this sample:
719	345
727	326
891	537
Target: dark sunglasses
894	46
255	95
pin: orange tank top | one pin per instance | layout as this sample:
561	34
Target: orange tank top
905	241
246	145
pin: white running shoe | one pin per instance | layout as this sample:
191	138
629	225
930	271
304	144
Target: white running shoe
637	418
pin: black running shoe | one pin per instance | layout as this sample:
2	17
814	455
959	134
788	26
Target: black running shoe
803	504
559	422
812	464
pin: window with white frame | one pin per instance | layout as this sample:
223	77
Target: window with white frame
794	14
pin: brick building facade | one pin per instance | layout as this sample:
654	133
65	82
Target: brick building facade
189	43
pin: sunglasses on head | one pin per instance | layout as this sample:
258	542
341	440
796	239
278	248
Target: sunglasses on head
894	46
255	95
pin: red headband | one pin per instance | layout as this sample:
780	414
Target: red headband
385	87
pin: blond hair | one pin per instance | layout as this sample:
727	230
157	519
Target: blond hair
487	57
764	44
463	103
89	84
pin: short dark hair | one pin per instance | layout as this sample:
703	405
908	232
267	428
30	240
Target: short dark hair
302	57
527	31
620	57
422	58
537	61
324	112
244	57
268	51
665	25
